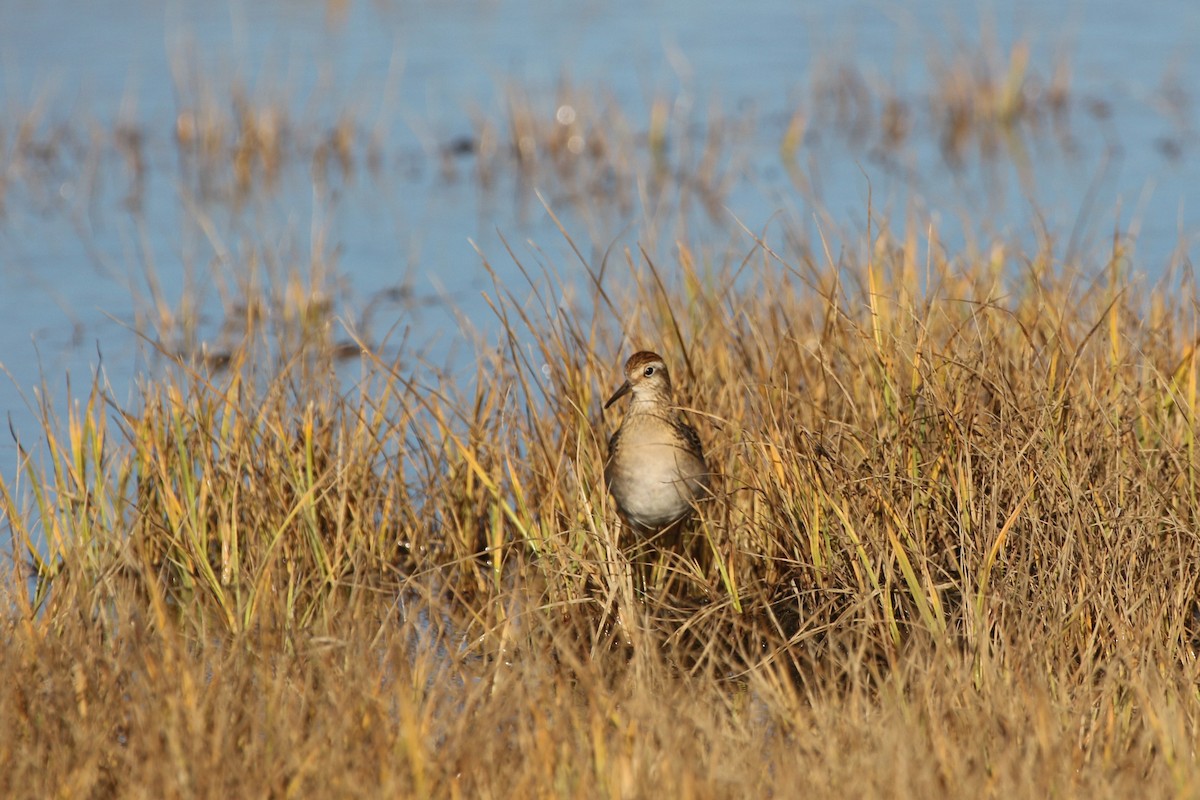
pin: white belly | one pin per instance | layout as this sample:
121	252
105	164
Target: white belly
662	487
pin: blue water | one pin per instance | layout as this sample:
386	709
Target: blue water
80	232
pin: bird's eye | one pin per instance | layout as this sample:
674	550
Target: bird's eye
648	371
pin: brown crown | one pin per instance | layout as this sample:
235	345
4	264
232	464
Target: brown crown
641	359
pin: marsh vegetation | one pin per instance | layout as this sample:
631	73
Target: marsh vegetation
952	550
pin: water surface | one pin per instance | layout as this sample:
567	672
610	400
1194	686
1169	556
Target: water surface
94	227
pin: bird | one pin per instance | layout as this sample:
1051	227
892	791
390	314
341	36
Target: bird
655	470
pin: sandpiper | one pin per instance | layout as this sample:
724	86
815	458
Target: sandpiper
655	468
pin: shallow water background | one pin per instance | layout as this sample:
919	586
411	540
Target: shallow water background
101	218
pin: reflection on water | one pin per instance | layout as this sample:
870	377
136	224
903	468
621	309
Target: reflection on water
181	173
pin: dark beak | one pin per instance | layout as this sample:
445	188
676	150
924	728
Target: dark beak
624	390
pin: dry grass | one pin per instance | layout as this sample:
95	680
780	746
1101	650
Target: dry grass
953	552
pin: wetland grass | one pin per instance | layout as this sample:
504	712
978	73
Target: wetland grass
953	551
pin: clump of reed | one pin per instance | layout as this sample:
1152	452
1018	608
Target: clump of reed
952	548
233	141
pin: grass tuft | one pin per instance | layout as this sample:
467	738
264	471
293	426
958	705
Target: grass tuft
952	550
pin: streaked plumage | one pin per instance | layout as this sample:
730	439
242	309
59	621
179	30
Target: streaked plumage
655	470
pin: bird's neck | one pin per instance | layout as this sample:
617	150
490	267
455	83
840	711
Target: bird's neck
656	403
